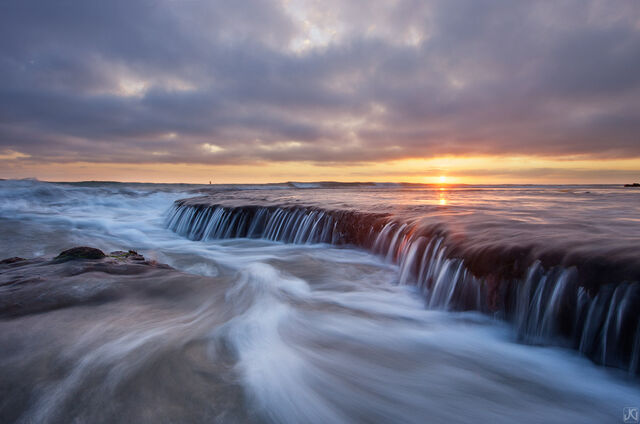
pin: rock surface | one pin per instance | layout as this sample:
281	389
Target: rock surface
131	255
82	252
77	276
12	260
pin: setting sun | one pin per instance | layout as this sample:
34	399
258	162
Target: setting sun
443	179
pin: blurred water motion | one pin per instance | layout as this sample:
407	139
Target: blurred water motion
253	329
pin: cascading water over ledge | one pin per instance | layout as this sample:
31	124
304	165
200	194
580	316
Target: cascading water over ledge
564	304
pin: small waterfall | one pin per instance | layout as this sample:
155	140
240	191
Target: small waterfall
289	225
546	305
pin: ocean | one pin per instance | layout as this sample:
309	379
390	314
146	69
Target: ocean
319	303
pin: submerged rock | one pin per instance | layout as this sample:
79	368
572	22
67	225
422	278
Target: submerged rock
12	260
82	252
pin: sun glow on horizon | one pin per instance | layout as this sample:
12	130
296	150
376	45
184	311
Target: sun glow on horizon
459	170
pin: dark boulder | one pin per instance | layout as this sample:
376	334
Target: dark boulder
82	252
632	185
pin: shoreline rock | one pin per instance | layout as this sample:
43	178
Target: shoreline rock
85	253
81	252
79	276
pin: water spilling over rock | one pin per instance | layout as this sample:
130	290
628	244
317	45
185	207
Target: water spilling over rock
548	304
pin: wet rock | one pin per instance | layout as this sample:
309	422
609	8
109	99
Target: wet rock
39	285
131	255
632	185
82	252
12	260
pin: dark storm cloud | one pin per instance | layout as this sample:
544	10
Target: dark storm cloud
224	82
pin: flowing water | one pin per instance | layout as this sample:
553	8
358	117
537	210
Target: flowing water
325	303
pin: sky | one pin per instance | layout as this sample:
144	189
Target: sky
462	91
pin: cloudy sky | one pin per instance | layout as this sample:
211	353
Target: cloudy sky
275	90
